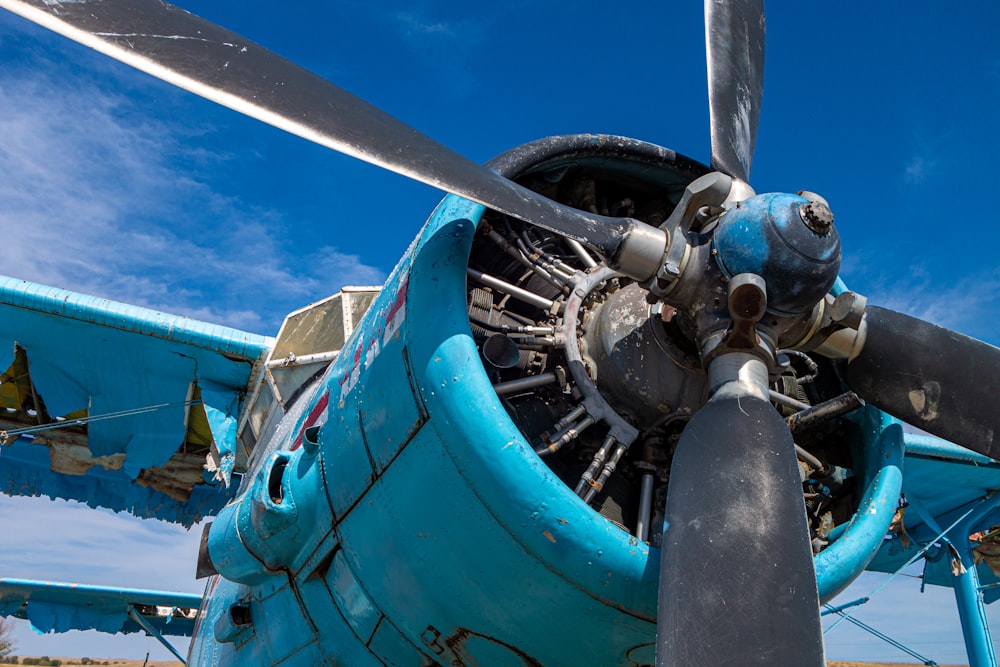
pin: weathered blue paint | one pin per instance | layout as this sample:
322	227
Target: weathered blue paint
765	235
25	470
951	492
892	556
965	576
856	543
278	632
87	353
44	300
58	607
931	447
971	606
269	525
421	527
946	481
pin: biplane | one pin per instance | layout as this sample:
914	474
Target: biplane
611	407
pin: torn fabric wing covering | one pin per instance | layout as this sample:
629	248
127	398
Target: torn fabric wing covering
25	471
222	420
141	398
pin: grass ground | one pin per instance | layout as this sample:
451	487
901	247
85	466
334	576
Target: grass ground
111	662
837	663
74	662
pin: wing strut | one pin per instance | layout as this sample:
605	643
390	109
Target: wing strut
153	632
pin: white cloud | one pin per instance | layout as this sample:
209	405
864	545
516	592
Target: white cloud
958	307
412	23
965	303
917	168
91	543
925	159
94	203
74	543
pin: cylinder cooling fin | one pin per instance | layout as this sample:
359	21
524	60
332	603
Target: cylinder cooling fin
597	377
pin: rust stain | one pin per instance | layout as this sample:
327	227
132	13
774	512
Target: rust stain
549	535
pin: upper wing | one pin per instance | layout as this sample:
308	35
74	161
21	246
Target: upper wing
118	406
950	490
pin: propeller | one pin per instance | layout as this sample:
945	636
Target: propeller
737	581
734	36
737	584
203	58
941	381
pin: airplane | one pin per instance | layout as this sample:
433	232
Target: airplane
471	645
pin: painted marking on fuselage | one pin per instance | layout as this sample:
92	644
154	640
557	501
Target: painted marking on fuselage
317	417
397	312
369	346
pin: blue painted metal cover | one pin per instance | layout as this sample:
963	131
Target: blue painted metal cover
450	537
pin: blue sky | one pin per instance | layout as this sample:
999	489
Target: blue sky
117	185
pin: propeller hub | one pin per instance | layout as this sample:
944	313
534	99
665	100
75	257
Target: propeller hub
787	240
817	216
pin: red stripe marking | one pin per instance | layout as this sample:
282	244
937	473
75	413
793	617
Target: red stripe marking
314	415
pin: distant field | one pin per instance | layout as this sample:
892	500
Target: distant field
111	662
74	662
837	663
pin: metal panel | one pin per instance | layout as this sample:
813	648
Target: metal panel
374	350
355	605
347	465
428	573
393	649
390	413
292	636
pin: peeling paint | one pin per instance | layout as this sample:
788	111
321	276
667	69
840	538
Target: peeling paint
925	400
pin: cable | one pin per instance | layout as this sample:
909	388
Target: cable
882	636
5	436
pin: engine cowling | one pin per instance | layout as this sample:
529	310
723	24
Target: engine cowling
498	440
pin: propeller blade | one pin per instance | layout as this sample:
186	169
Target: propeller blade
936	379
734	37
203	58
737	583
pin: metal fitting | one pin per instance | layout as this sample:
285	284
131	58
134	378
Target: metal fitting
817	216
